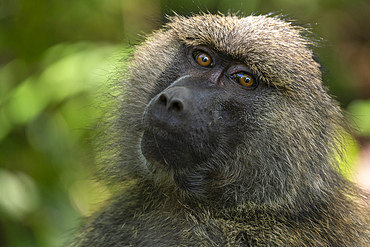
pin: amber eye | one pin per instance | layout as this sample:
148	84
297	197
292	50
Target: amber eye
244	79
203	59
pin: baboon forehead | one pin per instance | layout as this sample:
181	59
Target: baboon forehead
238	36
269	44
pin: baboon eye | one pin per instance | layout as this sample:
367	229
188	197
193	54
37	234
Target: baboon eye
244	79
202	58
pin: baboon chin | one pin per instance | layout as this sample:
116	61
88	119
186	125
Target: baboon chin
224	135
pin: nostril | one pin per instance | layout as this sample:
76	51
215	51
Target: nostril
163	99
176	105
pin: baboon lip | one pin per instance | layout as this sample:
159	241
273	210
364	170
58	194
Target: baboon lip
165	134
169	149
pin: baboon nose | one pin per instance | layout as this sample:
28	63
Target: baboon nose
176	99
171	108
171	103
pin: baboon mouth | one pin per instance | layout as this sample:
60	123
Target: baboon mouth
169	149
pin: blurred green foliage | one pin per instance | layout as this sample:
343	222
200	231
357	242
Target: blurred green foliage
56	57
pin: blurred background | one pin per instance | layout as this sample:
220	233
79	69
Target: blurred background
57	55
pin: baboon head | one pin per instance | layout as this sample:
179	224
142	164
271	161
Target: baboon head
228	110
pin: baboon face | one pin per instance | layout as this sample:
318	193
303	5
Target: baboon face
231	101
202	113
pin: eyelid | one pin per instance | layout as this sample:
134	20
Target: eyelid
239	68
203	48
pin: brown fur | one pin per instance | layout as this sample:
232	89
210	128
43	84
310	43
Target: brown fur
279	186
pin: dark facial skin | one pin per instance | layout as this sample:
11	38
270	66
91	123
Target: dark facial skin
208	100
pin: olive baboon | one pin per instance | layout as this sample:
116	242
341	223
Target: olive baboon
224	135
